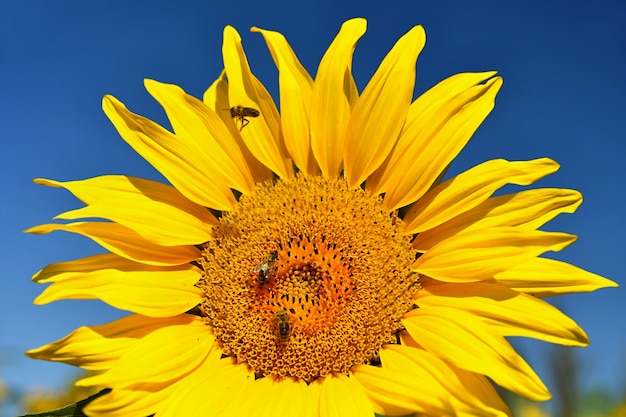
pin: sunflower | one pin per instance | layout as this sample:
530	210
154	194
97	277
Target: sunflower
313	261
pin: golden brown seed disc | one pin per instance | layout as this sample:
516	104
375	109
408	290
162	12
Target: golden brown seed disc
338	278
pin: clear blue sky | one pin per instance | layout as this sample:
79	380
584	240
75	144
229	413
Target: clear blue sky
564	69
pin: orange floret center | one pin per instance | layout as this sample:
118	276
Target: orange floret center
307	277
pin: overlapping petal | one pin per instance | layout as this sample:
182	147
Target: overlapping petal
151	293
125	242
478	398
467	343
394	393
334	94
379	114
222	378
467	190
158	212
480	254
100	347
216	98
543	277
525	210
296	88
438	125
165	355
509	312
262	135
188	172
272	397
141	399
204	132
343	396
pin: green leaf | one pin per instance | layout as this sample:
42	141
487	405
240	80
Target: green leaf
72	410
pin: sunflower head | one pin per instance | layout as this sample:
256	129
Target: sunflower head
307	269
313	260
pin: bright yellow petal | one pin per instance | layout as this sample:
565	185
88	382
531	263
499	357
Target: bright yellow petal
289	397
262	134
125	242
150	293
508	312
204	133
165	355
296	87
221	378
480	254
62	270
483	393
100	347
380	112
394	393
467	190
216	97
527	210
156	222
343	396
113	187
334	93
466	342
476	399
170	156
139	401
439	124
158	212
542	277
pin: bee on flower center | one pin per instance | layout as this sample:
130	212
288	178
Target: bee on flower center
284	328
239	113
266	268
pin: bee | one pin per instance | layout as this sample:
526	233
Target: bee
240	113
266	268
284	328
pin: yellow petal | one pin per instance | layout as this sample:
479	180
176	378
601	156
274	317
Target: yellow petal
170	156
158	212
204	133
125	242
222	378
139	401
480	254
467	190
156	222
296	87
483	393
542	277
100	347
343	396
150	293
478	398
464	341
62	270
334	93
111	187
262	134
439	124
508	312
216	97
527	210
398	393
289	397
380	112
165	355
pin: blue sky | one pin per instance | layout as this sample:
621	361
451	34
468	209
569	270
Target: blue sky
564	69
